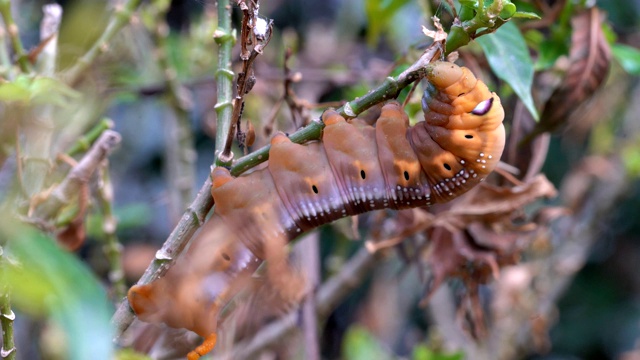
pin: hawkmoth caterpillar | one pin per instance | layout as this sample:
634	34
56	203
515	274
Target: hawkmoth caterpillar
355	168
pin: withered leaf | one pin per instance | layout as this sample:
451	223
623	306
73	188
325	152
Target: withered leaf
590	58
490	202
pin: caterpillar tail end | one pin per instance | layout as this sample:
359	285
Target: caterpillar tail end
279	138
393	110
207	345
330	117
443	74
219	177
141	300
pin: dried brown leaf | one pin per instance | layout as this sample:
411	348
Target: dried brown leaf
490	202
486	204
590	58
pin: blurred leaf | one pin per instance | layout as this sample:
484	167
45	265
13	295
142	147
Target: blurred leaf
36	90
46	90
509	58
17	90
379	14
47	281
128	354
631	159
360	344
549	52
129	217
526	15
609	33
628	57
422	352
590	59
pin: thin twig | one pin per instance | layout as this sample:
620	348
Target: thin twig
180	151
296	106
6	67
80	174
7	317
225	39
112	246
246	79
14	35
308	253
37	130
83	143
120	17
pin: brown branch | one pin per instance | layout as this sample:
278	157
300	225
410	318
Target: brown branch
79	175
246	79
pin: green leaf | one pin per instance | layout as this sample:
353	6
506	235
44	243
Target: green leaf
631	159
129	354
18	90
422	352
628	57
509	58
508	10
549	52
526	15
359	344
47	281
46	90
37	90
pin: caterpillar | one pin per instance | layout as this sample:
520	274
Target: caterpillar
355	168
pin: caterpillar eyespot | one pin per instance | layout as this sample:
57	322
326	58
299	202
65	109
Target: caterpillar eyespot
356	168
483	107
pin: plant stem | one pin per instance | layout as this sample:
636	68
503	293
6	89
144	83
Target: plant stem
6	68
14	35
191	220
38	128
7	316
80	174
118	20
180	152
224	76
112	246
246	79
84	143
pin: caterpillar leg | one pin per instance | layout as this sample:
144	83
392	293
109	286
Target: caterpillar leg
207	345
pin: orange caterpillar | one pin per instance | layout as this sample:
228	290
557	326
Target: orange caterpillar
354	169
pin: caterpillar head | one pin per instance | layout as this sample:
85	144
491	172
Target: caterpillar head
462	138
